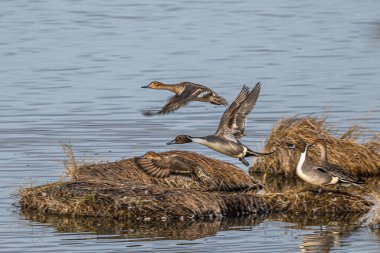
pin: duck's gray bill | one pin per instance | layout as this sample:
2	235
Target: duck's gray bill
146	86
171	142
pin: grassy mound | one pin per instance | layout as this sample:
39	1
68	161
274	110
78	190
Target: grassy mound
147	202
309	202
120	190
135	201
361	159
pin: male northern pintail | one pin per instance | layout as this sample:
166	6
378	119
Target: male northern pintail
186	92
345	177
231	128
164	166
326	174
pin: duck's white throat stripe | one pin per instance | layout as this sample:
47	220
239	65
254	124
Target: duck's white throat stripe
301	161
199	140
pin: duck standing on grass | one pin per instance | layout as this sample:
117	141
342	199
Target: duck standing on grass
231	128
185	93
327	174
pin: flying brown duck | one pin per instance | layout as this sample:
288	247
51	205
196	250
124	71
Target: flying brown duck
185	93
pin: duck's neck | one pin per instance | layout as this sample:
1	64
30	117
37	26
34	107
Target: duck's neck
302	160
199	140
169	87
323	149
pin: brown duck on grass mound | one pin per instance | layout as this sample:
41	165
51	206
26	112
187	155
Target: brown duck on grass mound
180	169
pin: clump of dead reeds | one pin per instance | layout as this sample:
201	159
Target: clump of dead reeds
71	166
148	201
309	202
374	195
134	201
121	190
362	159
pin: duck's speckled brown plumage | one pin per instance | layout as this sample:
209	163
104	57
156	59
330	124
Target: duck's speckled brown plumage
185	92
170	165
219	176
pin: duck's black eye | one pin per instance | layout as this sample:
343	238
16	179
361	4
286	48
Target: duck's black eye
290	145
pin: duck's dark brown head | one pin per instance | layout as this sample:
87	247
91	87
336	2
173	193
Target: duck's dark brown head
153	85
181	139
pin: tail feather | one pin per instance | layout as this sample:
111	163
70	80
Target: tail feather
358	185
218	100
254	153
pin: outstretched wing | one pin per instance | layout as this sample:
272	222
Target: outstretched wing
154	167
166	167
177	101
234	120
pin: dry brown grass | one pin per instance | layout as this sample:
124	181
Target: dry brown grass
122	191
374	143
309	202
70	163
136	201
362	159
374	196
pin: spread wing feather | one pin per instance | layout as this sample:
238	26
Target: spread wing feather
177	101
166	167
234	120
154	168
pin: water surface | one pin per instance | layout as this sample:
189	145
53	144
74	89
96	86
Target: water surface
71	71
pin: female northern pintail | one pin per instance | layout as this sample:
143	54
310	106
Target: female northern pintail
164	166
186	92
327	174
231	128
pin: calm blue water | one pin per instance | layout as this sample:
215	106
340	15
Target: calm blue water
71	71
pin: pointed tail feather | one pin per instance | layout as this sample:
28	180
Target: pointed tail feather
219	101
358	185
254	153
149	113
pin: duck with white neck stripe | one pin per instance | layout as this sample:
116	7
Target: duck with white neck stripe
231	128
321	175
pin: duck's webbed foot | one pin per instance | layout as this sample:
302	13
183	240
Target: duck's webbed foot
244	161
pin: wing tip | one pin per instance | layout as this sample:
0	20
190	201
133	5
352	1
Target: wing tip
257	86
